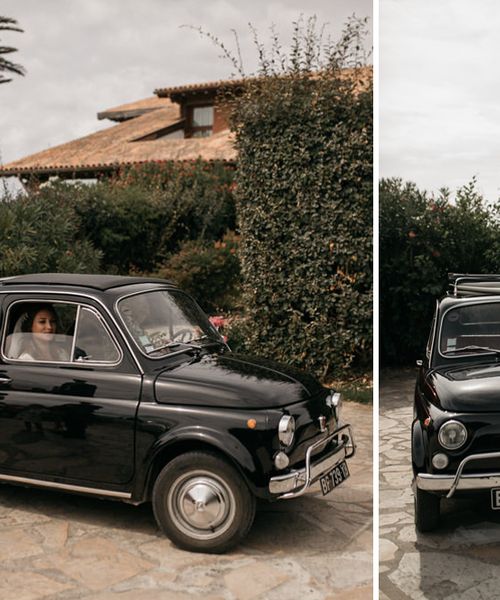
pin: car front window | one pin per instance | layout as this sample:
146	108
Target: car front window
471	329
161	321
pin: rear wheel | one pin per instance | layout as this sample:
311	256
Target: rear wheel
427	509
202	503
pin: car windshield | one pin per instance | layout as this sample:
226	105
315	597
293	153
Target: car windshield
162	322
472	329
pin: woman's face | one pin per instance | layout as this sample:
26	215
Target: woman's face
44	324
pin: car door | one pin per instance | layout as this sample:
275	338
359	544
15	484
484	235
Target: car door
69	416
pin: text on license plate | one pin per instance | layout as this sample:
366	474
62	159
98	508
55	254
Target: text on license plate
495	498
334	477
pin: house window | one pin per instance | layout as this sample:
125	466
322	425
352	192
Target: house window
202	121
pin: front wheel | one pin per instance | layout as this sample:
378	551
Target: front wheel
202	503
427	510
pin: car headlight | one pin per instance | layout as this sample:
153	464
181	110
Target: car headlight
286	430
452	435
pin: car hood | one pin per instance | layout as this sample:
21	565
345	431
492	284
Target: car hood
475	388
234	381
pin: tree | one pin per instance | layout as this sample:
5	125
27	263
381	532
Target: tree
7	66
423	237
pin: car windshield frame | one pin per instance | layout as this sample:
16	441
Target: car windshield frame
208	336
452	355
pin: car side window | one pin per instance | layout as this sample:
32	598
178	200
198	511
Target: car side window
64	332
93	342
39	331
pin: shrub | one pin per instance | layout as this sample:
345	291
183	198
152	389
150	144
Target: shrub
41	233
208	271
422	238
141	216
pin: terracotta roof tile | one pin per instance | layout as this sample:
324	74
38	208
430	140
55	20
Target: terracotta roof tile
135	109
362	72
114	146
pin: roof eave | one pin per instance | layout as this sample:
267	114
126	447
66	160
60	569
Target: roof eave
94	171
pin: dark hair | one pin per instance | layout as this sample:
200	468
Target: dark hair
27	324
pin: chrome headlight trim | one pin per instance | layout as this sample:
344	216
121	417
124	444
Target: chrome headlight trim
452	435
336	404
286	430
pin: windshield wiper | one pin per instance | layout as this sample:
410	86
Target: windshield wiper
187	346
473	348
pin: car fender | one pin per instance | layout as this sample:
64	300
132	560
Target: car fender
185	439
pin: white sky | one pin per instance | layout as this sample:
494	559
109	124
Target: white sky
83	56
439	91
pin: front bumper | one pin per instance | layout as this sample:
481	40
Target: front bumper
298	481
449	484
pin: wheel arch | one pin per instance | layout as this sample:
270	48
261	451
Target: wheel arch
230	450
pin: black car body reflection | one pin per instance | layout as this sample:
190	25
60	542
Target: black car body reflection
141	399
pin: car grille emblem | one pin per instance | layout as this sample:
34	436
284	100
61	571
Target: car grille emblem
322	423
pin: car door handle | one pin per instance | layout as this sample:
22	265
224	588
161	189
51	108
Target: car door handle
5	380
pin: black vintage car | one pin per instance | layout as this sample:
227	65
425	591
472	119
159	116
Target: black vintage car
456	427
120	387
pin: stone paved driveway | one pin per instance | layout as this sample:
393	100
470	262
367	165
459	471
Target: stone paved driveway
460	560
57	546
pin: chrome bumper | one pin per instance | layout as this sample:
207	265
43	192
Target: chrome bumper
298	481
451	483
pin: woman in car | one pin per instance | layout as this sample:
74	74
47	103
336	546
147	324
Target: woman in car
41	322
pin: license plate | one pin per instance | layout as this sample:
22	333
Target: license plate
334	478
495	498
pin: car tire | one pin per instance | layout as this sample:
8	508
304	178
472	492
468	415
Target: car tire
427	509
202	503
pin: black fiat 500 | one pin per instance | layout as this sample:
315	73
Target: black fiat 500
456	427
121	388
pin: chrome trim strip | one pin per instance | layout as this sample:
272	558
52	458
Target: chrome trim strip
469	481
297	482
75	332
442	483
65	486
83	295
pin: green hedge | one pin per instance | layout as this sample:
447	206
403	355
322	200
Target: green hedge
422	238
304	205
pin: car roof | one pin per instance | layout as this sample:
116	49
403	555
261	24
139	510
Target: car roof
97	282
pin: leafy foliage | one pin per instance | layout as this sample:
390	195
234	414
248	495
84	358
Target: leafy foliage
142	216
303	193
8	24
41	233
208	271
422	238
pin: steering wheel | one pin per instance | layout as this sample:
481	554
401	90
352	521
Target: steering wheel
182	335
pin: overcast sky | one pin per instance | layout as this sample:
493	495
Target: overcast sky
83	56
439	93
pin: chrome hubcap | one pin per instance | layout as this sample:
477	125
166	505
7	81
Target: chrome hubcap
201	505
